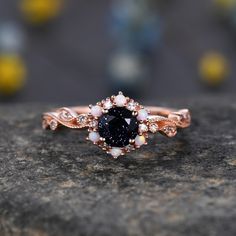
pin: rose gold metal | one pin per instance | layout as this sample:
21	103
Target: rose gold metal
164	120
160	115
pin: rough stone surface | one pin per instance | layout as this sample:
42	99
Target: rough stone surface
58	184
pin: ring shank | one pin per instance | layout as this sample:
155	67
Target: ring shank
161	116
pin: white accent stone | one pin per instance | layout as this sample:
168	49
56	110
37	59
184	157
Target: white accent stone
93	124
53	124
107	104
120	100
142	128
94	137
140	140
96	111
65	115
115	152
82	119
153	128
131	106
142	115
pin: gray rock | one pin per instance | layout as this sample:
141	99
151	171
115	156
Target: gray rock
55	183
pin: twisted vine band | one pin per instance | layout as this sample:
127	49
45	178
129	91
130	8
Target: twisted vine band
118	124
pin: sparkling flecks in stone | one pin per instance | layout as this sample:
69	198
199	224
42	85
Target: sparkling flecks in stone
118	126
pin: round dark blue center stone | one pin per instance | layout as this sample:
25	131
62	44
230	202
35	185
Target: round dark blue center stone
118	126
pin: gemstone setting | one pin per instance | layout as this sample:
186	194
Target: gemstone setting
118	126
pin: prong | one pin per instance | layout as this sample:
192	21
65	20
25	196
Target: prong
102	139
131	141
104	111
134	113
120	93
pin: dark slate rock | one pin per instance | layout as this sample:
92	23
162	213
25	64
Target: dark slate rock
58	184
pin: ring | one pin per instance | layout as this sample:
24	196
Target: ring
118	124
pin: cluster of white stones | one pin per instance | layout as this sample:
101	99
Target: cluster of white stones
118	101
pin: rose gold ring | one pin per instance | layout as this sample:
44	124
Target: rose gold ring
118	124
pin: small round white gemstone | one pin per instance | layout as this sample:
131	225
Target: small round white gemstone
53	124
143	128
93	124
153	128
65	115
140	140
120	100
94	137
142	115
82	119
96	111
115	152
131	106
107	104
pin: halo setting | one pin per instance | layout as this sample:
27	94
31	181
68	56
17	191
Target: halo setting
118	125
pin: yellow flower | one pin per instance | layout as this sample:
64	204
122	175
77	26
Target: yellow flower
12	74
225	4
214	68
40	11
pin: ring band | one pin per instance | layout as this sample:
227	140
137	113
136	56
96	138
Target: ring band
118	124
